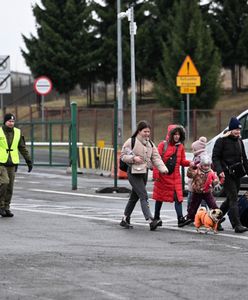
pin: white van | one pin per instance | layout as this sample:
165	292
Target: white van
243	119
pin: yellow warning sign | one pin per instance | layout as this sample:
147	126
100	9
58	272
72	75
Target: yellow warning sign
188	68
188	80
188	90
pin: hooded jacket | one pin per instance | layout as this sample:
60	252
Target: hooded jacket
166	185
147	151
202	181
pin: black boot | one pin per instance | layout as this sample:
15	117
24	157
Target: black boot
154	224
240	229
8	214
183	221
160	222
2	212
126	223
219	227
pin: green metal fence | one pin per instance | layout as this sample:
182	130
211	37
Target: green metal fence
42	141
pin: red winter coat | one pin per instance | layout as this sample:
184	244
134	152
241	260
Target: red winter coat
165	185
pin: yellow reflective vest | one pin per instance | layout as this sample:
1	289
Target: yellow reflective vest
5	151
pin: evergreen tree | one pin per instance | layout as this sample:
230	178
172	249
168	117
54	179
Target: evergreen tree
60	50
189	35
145	56
106	31
147	40
228	20
151	18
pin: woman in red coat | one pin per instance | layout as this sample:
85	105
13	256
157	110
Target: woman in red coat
168	188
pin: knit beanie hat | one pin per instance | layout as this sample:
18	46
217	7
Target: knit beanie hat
199	146
8	117
205	160
234	124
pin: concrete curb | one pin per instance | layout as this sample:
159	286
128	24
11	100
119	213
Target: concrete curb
90	172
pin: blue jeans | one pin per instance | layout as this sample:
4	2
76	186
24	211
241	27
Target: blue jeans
178	208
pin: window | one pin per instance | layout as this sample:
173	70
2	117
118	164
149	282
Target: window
244	130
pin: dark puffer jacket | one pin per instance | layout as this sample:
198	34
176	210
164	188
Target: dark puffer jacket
227	151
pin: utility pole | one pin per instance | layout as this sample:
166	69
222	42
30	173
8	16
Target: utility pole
119	78
133	85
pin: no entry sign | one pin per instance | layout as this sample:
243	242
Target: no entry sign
43	85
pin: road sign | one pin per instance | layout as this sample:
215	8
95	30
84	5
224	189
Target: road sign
188	68
188	81
188	90
5	80
43	85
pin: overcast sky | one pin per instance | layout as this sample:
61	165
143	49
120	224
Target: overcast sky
16	19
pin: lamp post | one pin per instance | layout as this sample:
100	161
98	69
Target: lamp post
119	78
132	29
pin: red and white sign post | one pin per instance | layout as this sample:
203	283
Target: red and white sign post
43	86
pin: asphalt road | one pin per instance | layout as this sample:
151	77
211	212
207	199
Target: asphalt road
65	244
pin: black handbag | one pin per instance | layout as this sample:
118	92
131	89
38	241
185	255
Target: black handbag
237	170
172	160
122	165
171	163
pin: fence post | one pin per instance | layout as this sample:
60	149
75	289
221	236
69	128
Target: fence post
62	125
194	125
74	145
182	121
95	126
50	143
153	124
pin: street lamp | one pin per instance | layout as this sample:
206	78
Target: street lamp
132	29
119	78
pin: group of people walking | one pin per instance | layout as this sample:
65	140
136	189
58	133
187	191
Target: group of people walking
140	153
228	159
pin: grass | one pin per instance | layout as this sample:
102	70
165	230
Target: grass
233	102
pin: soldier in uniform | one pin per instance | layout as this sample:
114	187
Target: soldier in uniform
11	143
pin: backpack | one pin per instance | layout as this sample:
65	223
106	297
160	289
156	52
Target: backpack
124	166
171	162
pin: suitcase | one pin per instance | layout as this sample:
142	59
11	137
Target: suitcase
243	209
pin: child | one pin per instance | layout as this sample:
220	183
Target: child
203	180
198	148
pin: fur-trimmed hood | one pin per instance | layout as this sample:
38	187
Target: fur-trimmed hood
172	129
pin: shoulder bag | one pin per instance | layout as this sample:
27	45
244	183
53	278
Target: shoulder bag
122	165
172	160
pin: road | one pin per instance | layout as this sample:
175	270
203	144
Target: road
65	244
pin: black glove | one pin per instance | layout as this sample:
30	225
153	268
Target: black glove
30	167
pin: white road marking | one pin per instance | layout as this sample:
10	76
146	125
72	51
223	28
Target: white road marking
80	216
87	195
76	194
171	227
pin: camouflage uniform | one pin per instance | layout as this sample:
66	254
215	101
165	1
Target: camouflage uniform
7	171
